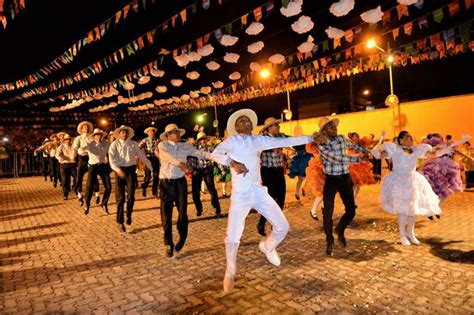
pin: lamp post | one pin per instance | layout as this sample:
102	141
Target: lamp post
391	100
265	74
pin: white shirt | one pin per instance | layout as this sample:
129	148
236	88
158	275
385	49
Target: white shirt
173	153
80	144
97	151
246	149
66	154
122	154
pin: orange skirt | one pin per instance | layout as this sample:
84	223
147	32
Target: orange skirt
315	176
361	173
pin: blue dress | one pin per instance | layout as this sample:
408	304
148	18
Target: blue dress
300	161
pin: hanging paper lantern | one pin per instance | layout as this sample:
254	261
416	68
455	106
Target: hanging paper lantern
254	28
407	2
129	86
372	16
342	7
205	90
229	40
206	50
159	102
255	47
176	99
194	56
212	65
255	66
144	80
161	89
306	47
231	57
176	82
193	75
334	32
185	97
276	59
235	76
293	8
194	94
182	60
302	25
169	101
218	84
157	73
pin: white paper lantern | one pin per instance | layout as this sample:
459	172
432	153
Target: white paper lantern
293	8
182	60
255	66
231	57
302	25
218	84
372	16
235	76
306	47
144	80
342	7
194	94
255	47
254	28
334	32
205	90
205	50
161	89
176	82
212	65
229	40
193	75
157	73
277	59
194	56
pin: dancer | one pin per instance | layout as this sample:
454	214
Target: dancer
467	159
53	162
66	155
406	192
84	129
202	172
241	151
173	185
97	148
272	170
361	173
149	145
336	168
298	166
315	177
122	153
43	149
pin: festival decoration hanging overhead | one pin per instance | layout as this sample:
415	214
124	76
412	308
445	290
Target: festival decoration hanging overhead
303	25
293	8
342	7
255	47
255	28
372	16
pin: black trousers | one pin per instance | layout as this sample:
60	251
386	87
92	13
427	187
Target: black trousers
82	168
469	179
148	175
68	170
333	184
196	181
274	179
174	191
46	170
103	171
127	185
377	167
54	169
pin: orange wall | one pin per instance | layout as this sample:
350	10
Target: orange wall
447	115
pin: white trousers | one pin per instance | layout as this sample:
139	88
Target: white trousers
257	198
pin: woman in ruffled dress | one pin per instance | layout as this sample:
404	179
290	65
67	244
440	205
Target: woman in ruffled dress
315	178
362	172
298	166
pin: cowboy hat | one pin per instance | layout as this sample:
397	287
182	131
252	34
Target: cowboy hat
269	122
326	120
46	140
130	131
60	134
98	131
66	137
149	129
169	128
82	123
201	135
233	119
53	136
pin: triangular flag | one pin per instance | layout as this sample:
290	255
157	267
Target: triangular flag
125	11
173	20
396	33
402	10
408	28
257	13
349	35
438	15
325	45
183	16
453	7
337	42
243	19
422	22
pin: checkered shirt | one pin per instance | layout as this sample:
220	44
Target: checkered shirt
333	155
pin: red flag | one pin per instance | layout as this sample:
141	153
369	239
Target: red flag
408	28
402	10
453	7
257	13
349	35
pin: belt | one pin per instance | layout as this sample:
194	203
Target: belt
171	180
337	176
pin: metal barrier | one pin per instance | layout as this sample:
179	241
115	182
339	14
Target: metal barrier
22	164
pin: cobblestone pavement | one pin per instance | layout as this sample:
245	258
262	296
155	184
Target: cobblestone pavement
55	259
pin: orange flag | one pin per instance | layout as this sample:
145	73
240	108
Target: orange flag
183	15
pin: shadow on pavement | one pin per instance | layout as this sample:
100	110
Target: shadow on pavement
453	255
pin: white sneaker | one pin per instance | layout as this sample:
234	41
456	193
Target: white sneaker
405	241
272	256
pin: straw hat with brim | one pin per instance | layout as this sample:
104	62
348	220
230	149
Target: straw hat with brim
201	136
269	122
98	131
150	129
130	135
233	118
326	120
82	123
61	133
53	136
66	137
169	128
46	140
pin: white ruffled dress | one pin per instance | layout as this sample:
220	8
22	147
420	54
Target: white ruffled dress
404	190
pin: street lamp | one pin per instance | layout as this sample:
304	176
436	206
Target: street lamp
103	122
200	118
265	74
366	92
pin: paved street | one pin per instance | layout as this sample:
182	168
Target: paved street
55	259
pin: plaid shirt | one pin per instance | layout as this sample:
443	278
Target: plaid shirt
334	157
149	145
272	158
195	164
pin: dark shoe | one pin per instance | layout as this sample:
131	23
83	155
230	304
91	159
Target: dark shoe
303	193
81	201
55	185
129	220
218	214
199	213
341	238
86	210
144	193
329	249
51	179
438	216
65	197
122	228
106	210
430	217
261	229
169	251
179	246
315	216
97	200
297	197
46	179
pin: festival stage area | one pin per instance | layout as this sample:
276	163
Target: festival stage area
54	259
